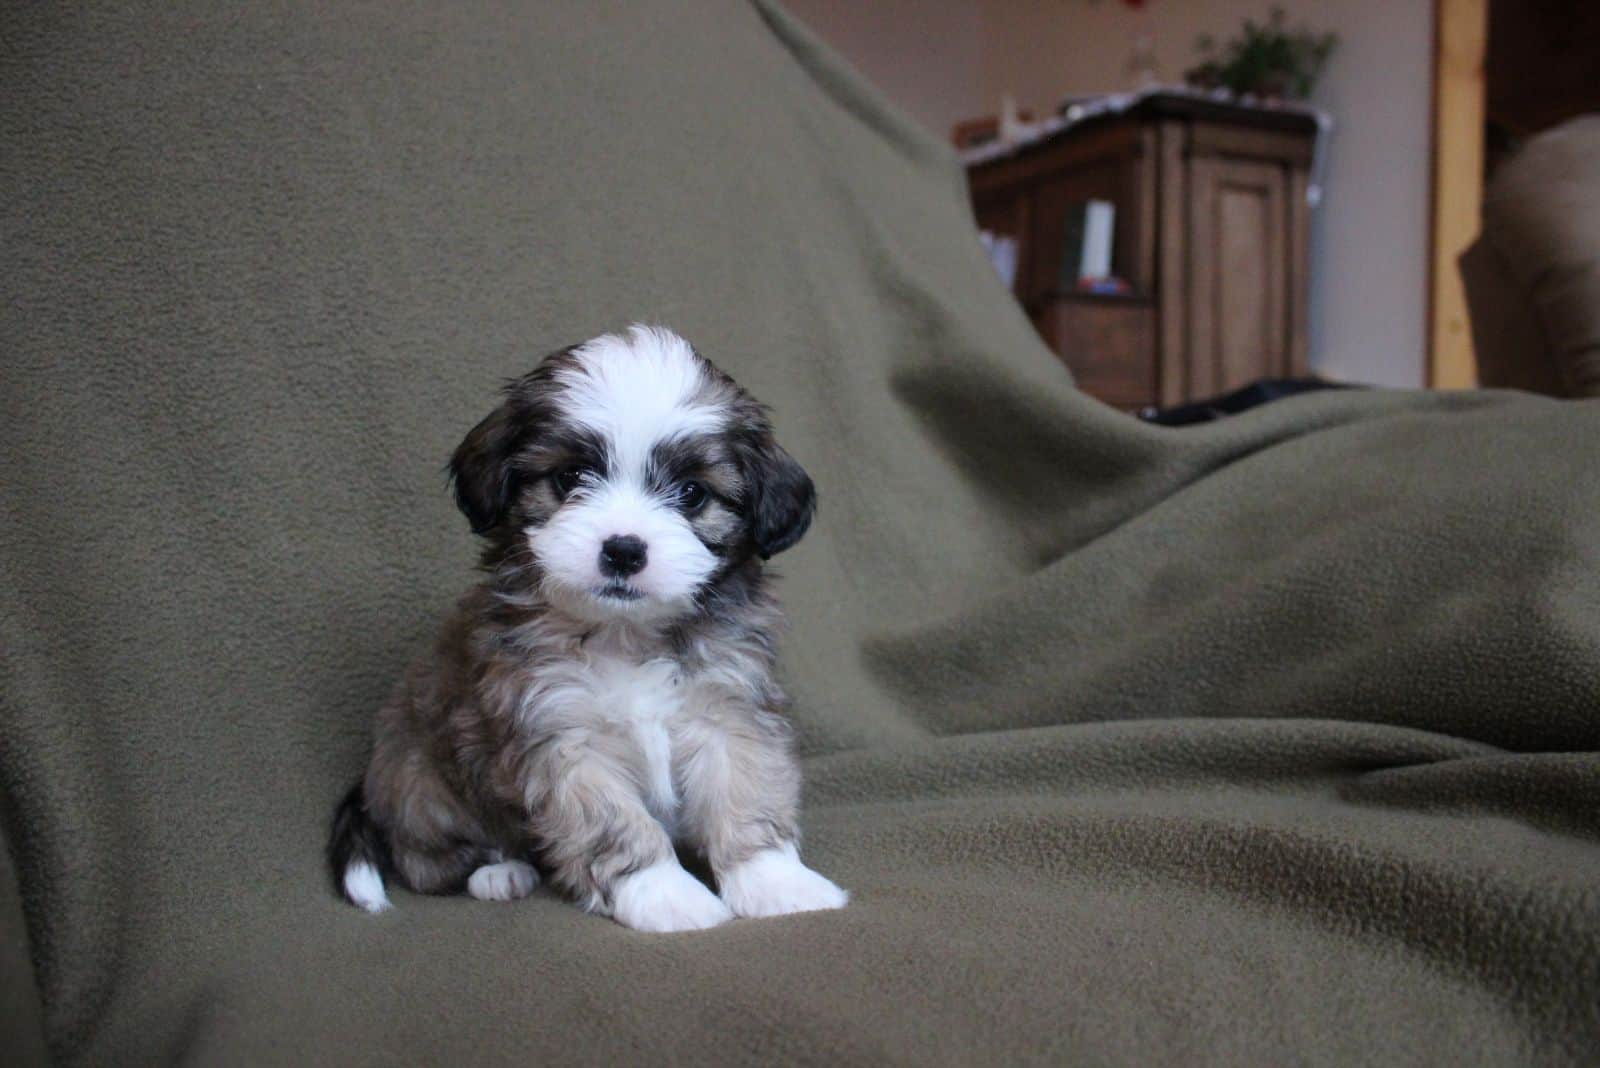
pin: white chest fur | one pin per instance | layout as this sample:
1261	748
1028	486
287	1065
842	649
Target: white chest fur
641	700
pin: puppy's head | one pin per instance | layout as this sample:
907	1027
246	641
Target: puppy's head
634	474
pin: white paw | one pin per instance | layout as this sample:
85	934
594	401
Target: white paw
507	881
774	882
664	897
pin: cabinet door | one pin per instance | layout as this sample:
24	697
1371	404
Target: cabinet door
1238	274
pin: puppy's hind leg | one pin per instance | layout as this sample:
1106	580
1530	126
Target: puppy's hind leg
436	870
502	880
436	842
482	872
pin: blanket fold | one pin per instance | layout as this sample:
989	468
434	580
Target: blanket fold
1269	741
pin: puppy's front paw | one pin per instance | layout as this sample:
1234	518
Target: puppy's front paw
664	897
507	881
774	882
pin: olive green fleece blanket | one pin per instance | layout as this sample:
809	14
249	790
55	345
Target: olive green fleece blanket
1269	742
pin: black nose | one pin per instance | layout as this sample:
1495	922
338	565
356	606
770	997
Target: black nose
622	555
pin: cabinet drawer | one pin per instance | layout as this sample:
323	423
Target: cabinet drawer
1108	343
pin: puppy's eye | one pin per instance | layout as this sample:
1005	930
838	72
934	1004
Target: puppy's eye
692	497
568	479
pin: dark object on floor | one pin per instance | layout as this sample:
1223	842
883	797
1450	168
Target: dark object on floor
1273	743
1252	396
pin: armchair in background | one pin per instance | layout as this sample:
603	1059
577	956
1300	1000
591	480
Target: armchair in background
1533	276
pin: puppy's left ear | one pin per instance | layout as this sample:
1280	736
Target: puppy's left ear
782	497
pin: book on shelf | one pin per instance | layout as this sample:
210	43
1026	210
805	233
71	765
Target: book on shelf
1086	243
1002	250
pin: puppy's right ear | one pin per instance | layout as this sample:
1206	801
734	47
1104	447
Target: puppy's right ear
481	469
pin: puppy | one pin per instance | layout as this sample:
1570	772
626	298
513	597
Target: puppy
607	689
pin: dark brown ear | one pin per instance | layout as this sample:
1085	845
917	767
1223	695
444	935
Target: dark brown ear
483	467
782	498
485	482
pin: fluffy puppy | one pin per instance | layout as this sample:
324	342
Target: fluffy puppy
607	689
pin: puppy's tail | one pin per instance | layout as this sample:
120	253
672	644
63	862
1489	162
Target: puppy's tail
358	854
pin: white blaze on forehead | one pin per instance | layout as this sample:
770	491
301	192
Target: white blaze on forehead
637	390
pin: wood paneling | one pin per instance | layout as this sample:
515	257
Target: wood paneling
1242	142
1172	293
1461	28
1147	197
1237	260
1109	345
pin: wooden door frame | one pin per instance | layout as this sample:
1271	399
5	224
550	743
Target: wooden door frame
1460	39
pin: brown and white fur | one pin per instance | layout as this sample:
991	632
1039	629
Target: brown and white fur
607	689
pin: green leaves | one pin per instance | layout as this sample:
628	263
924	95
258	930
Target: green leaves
1265	59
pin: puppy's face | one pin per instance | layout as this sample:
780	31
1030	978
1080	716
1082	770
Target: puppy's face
633	474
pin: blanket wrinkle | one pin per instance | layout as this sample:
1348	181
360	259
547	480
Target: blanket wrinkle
1268	741
1134	753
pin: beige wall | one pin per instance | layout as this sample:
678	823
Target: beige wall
944	60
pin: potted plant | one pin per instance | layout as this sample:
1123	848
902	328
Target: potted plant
1266	60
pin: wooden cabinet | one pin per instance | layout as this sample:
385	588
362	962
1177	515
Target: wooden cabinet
1211	233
